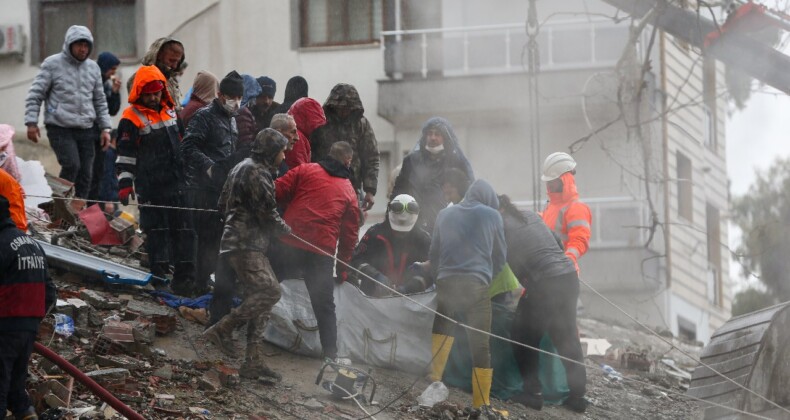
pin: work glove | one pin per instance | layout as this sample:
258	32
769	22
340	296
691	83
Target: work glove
125	190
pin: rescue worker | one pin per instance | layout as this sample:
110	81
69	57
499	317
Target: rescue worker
210	140
251	219
549	306
389	248
422	173
566	215
345	121
467	251
12	191
26	293
149	166
321	207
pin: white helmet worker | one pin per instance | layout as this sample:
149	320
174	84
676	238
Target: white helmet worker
557	164
402	212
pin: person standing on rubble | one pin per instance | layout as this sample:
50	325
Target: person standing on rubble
321	207
149	166
26	293
210	140
251	219
75	112
467	251
549	306
566	215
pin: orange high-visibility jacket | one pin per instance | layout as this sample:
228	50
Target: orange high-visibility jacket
569	218
12	191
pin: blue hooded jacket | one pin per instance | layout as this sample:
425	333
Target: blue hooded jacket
469	238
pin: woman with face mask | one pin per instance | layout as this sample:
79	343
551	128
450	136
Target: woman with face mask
423	169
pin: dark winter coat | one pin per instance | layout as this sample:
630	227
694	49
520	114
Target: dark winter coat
190	109
248	129
469	238
26	290
295	89
148	142
211	136
321	207
533	251
390	252
422	173
106	61
356	130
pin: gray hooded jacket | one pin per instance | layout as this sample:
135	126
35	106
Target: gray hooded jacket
72	89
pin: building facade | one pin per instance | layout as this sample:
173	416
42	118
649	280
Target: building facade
653	170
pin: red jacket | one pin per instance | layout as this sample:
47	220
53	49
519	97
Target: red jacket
321	207
309	115
569	218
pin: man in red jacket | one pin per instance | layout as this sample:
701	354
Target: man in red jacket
321	207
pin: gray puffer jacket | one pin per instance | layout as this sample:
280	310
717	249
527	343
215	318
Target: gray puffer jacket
72	89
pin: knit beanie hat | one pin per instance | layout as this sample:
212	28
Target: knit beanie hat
232	85
106	61
268	85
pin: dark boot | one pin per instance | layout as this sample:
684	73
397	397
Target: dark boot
529	400
254	366
576	404
221	335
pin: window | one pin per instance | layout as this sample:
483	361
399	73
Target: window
112	23
709	106
713	222
685	192
340	22
686	329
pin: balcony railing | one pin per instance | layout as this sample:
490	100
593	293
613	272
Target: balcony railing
495	49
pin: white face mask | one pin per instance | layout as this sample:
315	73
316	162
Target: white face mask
231	105
435	149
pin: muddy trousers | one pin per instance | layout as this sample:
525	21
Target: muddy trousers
467	296
169	240
75	149
261	291
15	349
549	308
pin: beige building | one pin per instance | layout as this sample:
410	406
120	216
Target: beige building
659	164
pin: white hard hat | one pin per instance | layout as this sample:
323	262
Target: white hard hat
557	164
402	213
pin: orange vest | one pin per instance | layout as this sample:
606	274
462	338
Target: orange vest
569	218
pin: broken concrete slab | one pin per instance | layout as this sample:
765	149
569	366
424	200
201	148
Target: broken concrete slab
210	381
99	301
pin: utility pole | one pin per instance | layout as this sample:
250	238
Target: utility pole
533	70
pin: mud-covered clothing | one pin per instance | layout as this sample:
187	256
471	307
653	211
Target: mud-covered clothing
549	307
321	208
422	173
148	143
250	209
532	251
308	115
26	290
389	253
569	218
210	136
261	291
148	156
72	89
356	130
469	239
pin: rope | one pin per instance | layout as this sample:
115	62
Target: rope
153	206
470	328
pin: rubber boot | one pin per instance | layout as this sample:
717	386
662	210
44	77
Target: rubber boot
221	335
481	389
440	349
254	366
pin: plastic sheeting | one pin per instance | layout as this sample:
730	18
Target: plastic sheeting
385	332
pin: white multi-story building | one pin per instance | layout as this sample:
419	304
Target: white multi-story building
466	60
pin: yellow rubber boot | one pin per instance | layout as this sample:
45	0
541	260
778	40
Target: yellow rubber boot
440	350
481	389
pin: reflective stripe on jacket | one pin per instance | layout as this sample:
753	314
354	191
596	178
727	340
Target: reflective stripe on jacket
569	218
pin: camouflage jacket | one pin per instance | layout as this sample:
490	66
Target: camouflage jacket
248	204
356	130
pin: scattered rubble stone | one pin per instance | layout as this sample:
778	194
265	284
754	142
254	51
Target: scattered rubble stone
98	301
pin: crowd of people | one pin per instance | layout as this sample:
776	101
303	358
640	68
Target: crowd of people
279	191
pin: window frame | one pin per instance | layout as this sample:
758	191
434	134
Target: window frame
304	38
38	26
685	187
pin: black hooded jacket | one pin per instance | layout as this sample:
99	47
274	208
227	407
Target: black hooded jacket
210	137
295	89
422	173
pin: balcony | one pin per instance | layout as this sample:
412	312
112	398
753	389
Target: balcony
479	66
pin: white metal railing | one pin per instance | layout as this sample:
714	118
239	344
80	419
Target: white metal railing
617	222
425	51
